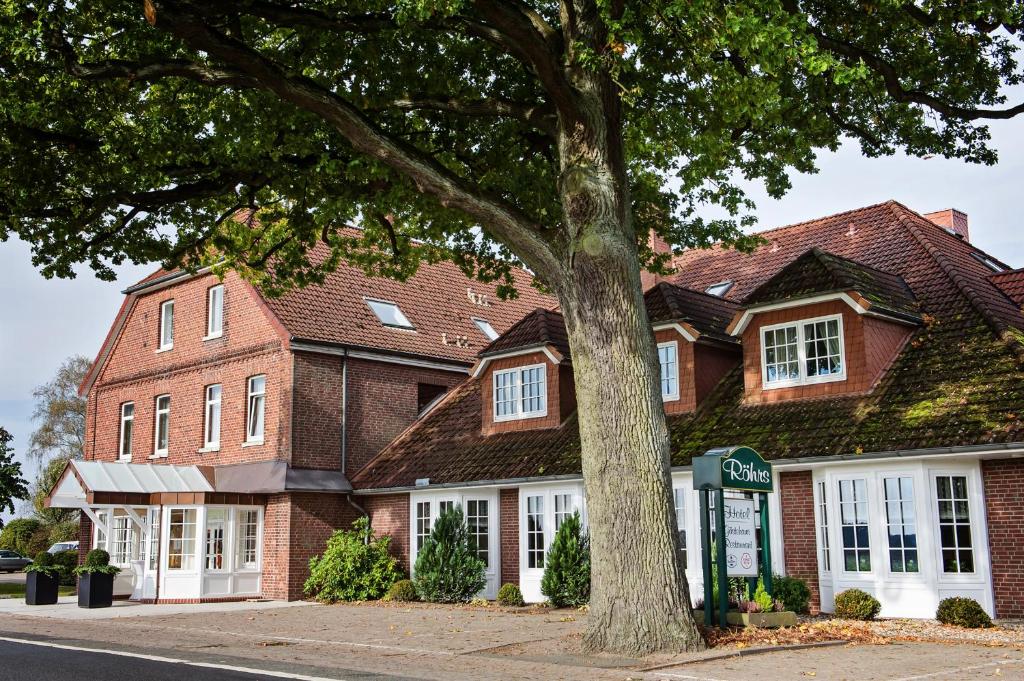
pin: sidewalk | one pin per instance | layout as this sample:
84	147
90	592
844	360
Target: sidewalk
67	608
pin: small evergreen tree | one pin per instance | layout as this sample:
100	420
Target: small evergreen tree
447	571
566	580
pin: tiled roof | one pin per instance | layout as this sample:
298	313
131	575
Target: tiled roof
818	271
1011	283
958	381
540	327
709	314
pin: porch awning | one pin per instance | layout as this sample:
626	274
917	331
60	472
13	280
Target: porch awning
85	483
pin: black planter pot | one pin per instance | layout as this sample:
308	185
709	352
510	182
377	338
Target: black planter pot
40	589
95	590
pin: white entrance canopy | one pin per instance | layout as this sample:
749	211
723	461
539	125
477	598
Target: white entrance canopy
82	480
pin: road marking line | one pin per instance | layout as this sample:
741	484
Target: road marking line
661	675
948	672
171	660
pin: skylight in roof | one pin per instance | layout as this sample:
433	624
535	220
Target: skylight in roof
988	262
389	314
719	289
485	328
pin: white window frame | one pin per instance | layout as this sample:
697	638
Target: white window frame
123	542
725	287
158	413
166	339
214	292
240	564
399	315
221	523
672	396
975	508
872	544
822	524
197	548
485	328
801	349
211	441
885	548
518	400
123	455
251	437
681	506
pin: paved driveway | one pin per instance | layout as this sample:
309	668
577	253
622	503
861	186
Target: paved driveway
12	577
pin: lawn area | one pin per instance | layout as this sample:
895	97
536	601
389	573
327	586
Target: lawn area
9	590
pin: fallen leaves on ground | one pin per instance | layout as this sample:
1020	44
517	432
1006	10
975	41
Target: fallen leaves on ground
808	632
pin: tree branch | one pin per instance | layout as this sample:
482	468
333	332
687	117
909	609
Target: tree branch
535	115
158	69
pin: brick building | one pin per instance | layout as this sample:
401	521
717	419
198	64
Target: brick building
875	357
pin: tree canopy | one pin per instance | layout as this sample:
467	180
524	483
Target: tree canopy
12	483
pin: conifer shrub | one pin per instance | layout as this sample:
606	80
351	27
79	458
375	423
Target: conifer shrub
854	604
566	580
962	612
793	592
402	591
356	566
97	561
447	569
510	596
43	564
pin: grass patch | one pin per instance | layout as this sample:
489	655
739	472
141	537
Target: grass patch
9	590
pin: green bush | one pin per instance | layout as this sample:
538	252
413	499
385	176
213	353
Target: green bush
761	597
510	596
355	566
854	604
793	592
66	562
17	535
962	612
43	564
566	580
97	561
447	570
401	591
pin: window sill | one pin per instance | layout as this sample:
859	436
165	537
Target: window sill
252	443
124	459
157	456
214	336
803	383
208	449
167	349
525	417
670	398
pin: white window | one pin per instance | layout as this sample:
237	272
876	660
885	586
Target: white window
215	523
162	430
668	358
823	538
215	311
477	524
248	538
853	517
563	509
422	523
900	523
211	430
125	437
122	547
101	537
257	397
954	524
389	313
535	532
154	538
520	393
679	499
166	325
719	289
181	542
485	328
810	351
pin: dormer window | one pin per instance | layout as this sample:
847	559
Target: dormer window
520	393
988	262
668	358
719	289
389	314
485	328
798	353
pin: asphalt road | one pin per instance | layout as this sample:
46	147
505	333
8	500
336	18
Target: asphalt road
12	577
28	662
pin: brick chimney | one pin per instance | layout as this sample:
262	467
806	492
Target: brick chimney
658	245
952	220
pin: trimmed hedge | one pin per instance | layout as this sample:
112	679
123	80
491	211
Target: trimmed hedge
510	596
854	604
402	591
962	612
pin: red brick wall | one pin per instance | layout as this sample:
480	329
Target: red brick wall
383	402
84	537
314	517
276	536
687	401
389	514
1003	480
509	527
796	495
317	411
711	364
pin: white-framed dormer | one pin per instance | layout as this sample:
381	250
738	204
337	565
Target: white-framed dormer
519	393
668	362
789	349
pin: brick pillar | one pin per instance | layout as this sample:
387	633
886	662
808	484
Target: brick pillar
509	524
84	537
796	495
1003	481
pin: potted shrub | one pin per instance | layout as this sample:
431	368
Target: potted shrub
41	580
96	580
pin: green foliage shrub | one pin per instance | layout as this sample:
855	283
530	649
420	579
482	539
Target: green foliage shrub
566	580
97	561
447	570
401	591
510	596
43	564
854	604
962	612
793	592
765	602
66	562
17	535
355	566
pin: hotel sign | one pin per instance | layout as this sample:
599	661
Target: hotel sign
740	538
732	468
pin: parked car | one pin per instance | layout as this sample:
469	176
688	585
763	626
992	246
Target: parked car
12	561
63	546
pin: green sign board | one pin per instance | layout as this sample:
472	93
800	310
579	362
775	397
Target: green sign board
732	468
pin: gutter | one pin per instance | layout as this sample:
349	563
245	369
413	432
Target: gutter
165	280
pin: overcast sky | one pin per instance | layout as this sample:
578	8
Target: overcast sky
44	321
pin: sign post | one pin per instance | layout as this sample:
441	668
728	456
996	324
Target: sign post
736	554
